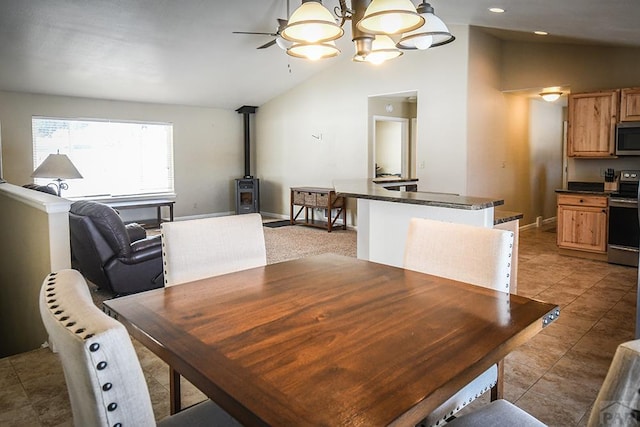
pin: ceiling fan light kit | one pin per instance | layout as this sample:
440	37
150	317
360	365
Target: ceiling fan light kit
380	29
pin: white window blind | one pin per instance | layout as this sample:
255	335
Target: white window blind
115	158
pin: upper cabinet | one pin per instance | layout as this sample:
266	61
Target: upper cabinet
592	124
630	105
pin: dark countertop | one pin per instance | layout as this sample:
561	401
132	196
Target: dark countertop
367	189
500	216
587	192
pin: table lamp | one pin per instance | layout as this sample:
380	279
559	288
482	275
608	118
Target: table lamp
59	167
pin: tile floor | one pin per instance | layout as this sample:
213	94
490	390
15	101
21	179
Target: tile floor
555	376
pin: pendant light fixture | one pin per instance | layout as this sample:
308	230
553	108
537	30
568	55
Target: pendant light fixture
383	49
312	29
312	23
432	34
390	17
314	51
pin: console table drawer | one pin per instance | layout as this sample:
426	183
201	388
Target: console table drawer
311	198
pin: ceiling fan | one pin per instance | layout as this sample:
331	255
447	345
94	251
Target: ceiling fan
282	43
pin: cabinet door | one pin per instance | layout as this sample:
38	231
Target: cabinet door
592	124
630	105
583	228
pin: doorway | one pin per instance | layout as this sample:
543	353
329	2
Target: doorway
392	123
391	146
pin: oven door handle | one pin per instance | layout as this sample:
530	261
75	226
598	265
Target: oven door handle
623	203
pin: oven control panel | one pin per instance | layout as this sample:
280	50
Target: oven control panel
630	176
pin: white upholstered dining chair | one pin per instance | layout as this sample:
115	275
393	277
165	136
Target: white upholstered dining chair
476	255
617	404
200	248
103	375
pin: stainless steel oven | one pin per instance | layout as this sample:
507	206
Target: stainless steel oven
624	228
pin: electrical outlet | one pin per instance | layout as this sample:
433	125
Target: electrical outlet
602	172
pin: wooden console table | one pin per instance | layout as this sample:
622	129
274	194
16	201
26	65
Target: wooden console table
309	198
152	203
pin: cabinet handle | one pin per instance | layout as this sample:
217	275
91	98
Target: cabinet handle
604	211
581	201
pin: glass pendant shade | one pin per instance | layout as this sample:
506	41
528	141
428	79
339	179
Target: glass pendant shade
312	23
382	49
314	51
432	34
390	17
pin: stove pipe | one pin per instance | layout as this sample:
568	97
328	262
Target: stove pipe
246	110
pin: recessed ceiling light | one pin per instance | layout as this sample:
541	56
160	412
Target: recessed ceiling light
541	33
496	10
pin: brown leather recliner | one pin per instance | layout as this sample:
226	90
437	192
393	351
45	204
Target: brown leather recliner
117	258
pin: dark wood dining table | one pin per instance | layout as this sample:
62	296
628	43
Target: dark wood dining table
330	340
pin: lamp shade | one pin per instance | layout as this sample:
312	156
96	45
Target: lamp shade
314	51
390	17
382	49
432	34
56	166
312	23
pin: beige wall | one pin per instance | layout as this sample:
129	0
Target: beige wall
335	103
34	231
583	69
489	167
207	143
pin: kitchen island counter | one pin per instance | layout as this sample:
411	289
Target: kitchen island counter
368	189
384	215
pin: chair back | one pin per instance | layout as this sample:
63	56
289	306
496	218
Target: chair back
200	248
107	222
89	250
476	255
618	401
104	379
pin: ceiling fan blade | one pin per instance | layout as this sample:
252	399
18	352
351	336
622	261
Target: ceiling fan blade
251	32
266	45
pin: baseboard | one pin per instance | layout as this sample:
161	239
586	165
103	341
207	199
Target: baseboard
547	221
185	218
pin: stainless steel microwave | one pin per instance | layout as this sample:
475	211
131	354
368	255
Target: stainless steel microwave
628	139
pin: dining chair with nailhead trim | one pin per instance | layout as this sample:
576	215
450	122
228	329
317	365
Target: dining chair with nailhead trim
104	379
477	255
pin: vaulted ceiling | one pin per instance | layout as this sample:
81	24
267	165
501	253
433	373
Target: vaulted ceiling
184	52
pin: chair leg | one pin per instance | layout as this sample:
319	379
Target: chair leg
174	392
497	391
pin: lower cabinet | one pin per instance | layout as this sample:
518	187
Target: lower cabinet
582	223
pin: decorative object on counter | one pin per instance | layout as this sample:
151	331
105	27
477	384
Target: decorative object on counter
59	167
610	180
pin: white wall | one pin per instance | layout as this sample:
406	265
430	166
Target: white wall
208	143
334	103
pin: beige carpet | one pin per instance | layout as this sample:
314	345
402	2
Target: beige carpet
297	241
282	244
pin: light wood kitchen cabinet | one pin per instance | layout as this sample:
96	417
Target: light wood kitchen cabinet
592	124
582	222
630	104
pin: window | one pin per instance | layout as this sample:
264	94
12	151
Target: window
114	158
